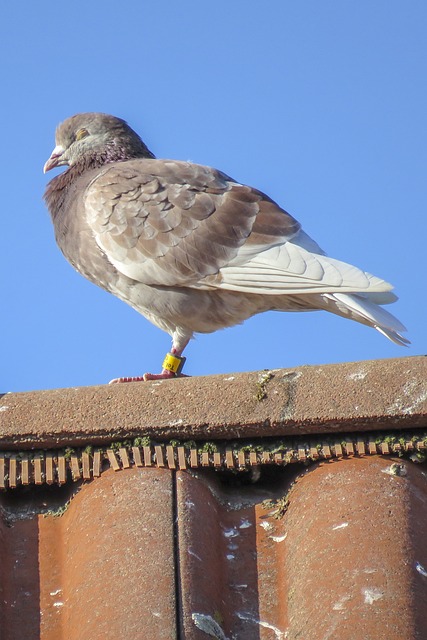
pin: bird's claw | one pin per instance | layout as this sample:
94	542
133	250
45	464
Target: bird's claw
128	379
164	375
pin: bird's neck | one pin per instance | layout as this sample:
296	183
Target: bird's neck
58	188
113	152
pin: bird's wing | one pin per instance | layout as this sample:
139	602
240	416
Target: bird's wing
294	267
171	223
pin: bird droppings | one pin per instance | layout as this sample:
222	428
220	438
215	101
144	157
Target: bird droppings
266	525
357	375
280	635
340	526
176	423
396	469
230	556
419	567
58	604
4	407
279	538
210	626
372	595
292	375
231	533
245	524
419	400
340	604
229	378
413	394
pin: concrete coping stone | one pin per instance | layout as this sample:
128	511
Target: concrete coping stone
374	395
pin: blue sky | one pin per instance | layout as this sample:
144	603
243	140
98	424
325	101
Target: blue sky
322	105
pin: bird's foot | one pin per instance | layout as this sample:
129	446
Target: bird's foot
165	374
172	367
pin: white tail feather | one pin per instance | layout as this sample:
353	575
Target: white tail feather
361	309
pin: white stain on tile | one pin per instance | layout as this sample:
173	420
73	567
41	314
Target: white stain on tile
278	538
340	604
414	393
396	469
176	423
247	617
194	554
294	375
372	595
210	626
340	526
357	375
419	567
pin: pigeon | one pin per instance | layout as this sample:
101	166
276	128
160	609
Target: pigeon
187	246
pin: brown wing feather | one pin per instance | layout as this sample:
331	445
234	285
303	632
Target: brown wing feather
173	223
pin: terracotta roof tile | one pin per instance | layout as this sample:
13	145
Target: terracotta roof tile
334	548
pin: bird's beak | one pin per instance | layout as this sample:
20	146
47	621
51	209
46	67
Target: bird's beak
55	159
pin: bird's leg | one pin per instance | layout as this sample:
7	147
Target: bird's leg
172	367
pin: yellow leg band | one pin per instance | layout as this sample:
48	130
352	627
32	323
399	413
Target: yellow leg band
173	363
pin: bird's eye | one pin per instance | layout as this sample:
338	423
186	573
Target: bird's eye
81	133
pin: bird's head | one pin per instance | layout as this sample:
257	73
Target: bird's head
97	136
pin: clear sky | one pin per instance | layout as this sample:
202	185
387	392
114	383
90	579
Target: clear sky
322	105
